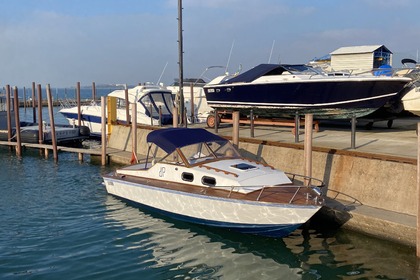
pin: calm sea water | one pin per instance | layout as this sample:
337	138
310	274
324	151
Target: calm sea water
58	222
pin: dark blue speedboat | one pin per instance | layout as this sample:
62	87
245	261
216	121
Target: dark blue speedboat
286	90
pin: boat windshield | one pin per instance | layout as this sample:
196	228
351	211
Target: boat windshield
155	100
301	70
201	152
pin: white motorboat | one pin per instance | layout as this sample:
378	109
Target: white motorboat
196	176
194	99
411	97
154	107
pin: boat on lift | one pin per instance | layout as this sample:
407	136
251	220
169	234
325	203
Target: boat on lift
195	176
411	97
285	90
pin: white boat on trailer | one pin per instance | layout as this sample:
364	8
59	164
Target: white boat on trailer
196	176
154	107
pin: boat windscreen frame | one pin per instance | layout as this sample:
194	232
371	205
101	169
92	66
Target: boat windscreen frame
149	95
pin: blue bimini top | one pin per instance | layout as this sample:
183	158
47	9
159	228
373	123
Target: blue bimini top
169	139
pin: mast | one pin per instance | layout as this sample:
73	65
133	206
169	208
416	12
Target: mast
180	99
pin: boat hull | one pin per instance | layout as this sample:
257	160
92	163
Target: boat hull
267	219
91	117
333	98
411	101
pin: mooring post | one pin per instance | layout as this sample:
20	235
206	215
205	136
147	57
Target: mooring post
297	125
308	148
24	99
175	116
235	131
103	129
93	91
9	114
127	106
418	192
160	115
353	132
151	114
17	122
192	114
33	103
40	129
134	133
216	121
52	124
251	119
79	114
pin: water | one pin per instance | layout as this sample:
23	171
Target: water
68	93
58	222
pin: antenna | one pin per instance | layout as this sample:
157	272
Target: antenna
230	54
161	74
272	47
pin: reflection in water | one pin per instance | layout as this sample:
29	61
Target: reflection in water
170	249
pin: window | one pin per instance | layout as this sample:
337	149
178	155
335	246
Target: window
186	176
208	181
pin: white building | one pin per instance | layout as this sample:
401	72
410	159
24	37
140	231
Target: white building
360	58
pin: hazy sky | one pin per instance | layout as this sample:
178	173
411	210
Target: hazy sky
61	42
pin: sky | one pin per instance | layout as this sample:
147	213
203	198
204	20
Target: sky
62	42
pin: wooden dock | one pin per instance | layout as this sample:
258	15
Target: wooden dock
80	151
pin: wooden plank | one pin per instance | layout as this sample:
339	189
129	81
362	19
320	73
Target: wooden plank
60	148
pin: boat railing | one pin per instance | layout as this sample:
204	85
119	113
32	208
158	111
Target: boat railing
307	180
67	103
378	72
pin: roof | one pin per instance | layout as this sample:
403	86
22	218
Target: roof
169	139
359	49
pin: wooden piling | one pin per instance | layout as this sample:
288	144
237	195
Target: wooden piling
216	121
93	91
418	193
33	103
9	116
297	126
127	107
251	120
24	99
175	116
308	147
235	131
103	130
79	114
40	129
151	114
52	124
192	103
134	133
353	132
17	122
160	115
